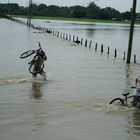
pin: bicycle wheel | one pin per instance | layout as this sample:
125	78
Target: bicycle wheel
33	70
130	101
27	53
117	101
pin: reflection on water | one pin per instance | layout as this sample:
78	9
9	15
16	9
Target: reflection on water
136	122
36	90
113	35
75	102
38	106
90	32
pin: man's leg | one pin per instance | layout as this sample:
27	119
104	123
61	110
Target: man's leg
34	76
135	98
43	74
138	102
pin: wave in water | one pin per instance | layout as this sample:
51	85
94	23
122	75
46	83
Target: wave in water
7	81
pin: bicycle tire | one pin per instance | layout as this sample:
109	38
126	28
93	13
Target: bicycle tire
32	71
27	54
130	100
119	101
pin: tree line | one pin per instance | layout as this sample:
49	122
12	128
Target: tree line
92	11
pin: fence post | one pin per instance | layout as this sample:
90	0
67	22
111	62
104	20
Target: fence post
73	38
81	41
124	56
134	58
115	53
108	50
90	44
102	48
86	43
96	47
69	37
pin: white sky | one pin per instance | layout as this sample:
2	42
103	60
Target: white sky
121	5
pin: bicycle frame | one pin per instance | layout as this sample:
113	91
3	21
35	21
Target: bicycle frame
30	52
121	101
126	98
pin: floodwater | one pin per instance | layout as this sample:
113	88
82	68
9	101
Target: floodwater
115	36
73	103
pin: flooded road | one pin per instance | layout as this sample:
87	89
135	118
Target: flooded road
73	103
115	36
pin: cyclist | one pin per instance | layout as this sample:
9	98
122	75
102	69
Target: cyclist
136	94
37	61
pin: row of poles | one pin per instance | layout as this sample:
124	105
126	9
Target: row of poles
85	43
75	39
133	17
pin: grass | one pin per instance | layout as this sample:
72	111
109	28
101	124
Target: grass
77	19
80	20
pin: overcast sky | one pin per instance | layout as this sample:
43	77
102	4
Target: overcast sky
121	5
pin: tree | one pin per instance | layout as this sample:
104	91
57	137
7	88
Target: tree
112	13
35	10
78	11
93	10
53	11
42	10
126	15
64	12
103	14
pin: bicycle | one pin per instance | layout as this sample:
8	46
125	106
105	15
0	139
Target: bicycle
126	101
32	64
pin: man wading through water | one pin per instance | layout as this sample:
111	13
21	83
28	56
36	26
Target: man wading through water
37	62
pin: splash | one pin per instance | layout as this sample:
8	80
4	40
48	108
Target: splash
88	105
15	80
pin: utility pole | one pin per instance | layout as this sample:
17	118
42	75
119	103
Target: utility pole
133	17
29	14
9	8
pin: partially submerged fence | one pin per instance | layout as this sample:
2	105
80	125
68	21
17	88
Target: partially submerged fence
75	39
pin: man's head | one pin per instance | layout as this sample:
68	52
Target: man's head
41	53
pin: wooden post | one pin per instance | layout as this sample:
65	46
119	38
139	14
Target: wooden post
108	50
96	47
90	44
134	58
63	35
81	41
69	37
115	53
58	34
29	14
77	38
133	17
73	38
86	43
102	48
66	36
124	56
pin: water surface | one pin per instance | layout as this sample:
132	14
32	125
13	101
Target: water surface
73	102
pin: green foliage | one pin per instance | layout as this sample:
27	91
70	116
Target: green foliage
92	11
6	8
78	11
126	15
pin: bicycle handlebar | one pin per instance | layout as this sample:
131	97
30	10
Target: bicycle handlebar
133	87
39	44
39	47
